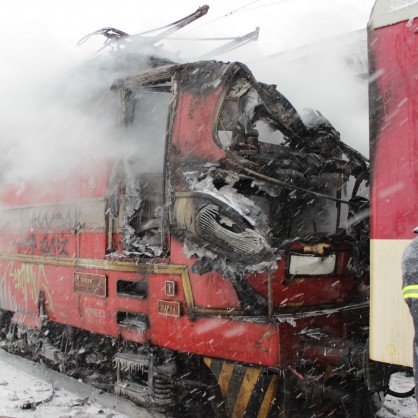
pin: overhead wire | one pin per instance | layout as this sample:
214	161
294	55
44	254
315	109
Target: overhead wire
265	5
238	10
241	9
223	16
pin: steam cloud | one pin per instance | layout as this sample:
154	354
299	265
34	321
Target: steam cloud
58	113
57	109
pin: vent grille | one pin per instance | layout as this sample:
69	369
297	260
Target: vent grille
223	231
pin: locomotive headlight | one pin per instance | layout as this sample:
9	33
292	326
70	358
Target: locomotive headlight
311	265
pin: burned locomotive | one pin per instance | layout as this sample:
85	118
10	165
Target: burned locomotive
228	263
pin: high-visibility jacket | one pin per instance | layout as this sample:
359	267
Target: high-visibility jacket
410	271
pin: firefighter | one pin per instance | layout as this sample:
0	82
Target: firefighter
410	294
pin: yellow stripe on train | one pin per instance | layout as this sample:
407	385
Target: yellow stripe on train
247	391
247	388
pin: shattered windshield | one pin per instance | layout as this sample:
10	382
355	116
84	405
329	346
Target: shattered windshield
305	177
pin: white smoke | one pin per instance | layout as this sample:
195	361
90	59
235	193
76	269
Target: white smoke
58	112
52	114
329	76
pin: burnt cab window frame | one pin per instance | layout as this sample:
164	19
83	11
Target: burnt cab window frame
230	97
131	106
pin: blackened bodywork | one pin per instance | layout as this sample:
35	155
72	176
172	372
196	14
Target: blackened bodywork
269	178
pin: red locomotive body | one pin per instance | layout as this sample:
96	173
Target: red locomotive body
227	257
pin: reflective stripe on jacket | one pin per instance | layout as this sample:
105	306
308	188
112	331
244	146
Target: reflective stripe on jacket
410	292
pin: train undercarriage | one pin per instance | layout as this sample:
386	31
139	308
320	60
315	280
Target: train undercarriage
186	385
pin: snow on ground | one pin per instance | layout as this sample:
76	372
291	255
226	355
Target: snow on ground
398	407
18	388
23	382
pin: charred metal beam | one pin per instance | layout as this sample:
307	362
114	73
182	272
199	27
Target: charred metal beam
113	34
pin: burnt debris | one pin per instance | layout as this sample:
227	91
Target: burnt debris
278	177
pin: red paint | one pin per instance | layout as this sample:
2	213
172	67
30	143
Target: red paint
307	290
194	128
41	217
394	113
